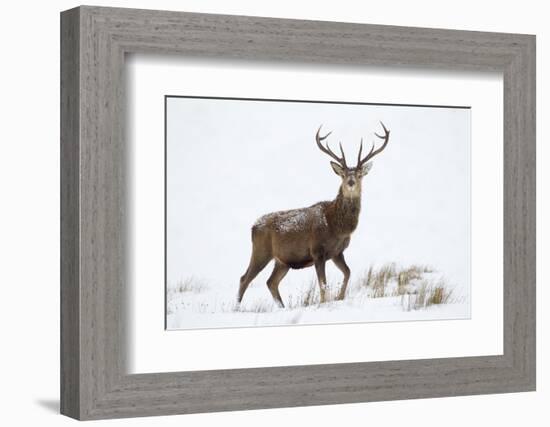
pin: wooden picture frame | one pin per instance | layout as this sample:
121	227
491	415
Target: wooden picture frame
94	382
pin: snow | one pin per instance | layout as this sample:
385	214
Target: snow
294	220
216	307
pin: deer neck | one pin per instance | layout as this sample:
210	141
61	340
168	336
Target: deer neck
343	213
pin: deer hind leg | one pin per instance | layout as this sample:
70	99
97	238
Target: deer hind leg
340	262
258	261
279	271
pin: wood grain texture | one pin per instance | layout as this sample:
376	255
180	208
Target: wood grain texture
70	292
94	382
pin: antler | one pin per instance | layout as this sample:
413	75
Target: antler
327	150
372	151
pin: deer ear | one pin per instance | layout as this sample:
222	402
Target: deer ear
338	170
366	168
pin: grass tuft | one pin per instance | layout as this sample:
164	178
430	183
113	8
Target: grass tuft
189	284
308	298
417	290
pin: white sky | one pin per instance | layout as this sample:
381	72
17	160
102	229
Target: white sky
229	162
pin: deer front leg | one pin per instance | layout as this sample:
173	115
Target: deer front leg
340	262
321	277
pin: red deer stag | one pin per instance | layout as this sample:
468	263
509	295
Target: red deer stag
309	236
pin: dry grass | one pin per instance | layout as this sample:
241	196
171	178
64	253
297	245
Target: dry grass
431	294
309	297
378	281
189	284
410	283
381	278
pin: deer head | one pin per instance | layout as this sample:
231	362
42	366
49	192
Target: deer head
352	176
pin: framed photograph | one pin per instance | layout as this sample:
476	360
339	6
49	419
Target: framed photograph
414	264
345	211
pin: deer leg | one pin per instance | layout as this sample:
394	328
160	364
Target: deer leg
257	264
279	271
340	262
321	277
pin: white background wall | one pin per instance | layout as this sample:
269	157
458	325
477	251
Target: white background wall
29	218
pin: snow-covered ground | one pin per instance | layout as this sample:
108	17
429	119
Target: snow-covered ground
194	303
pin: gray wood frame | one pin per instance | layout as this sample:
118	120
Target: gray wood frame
94	382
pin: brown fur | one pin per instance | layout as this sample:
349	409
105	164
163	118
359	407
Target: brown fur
300	238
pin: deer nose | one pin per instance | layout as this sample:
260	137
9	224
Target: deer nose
351	182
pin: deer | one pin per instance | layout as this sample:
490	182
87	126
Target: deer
301	238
